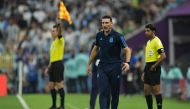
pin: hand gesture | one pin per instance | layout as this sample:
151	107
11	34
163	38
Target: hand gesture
153	68
125	67
46	71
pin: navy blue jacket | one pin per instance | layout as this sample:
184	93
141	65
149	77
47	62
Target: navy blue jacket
110	46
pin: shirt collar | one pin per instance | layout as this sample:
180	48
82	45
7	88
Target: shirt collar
111	33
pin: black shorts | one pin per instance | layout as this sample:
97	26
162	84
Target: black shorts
152	77
56	72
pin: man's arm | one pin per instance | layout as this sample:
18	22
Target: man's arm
159	61
47	69
92	56
59	23
160	50
127	52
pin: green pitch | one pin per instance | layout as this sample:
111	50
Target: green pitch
81	101
9	102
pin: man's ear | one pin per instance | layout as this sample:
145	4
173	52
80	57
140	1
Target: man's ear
111	23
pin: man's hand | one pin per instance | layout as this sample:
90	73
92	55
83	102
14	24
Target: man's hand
59	21
88	69
142	77
46	71
153	68
125	67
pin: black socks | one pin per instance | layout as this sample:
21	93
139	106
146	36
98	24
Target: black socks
62	96
53	96
149	101
159	101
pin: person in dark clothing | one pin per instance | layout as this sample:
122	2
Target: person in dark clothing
109	44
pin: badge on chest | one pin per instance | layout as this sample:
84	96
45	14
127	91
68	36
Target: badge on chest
111	40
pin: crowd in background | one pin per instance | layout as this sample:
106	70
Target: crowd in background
25	37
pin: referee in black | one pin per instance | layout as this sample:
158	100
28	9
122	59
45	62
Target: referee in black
154	55
109	44
56	69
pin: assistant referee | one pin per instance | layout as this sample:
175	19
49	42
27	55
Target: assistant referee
56	69
154	54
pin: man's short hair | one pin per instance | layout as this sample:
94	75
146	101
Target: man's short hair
151	27
107	17
56	25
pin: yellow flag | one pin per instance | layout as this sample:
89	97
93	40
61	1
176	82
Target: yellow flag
63	13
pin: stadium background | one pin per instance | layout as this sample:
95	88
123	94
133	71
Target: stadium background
25	41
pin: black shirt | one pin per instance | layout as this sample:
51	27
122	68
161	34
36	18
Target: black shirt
110	46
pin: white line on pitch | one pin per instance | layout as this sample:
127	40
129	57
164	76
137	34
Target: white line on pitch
23	103
71	106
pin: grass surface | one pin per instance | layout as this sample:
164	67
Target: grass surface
81	101
10	102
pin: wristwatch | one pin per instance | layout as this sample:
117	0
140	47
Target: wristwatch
127	62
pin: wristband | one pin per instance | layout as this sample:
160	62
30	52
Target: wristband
127	62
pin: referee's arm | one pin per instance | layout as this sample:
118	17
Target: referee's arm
47	69
159	61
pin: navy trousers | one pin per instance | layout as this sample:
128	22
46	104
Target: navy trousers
109	84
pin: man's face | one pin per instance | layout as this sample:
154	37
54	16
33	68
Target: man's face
149	33
106	24
54	32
